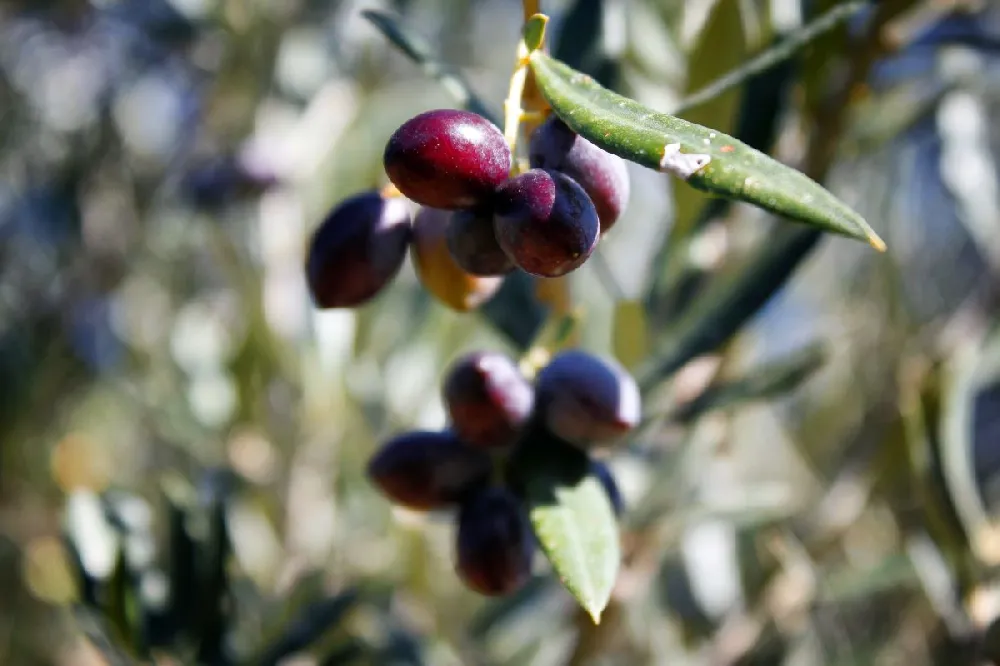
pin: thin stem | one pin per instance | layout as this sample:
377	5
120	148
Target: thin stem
512	105
770	57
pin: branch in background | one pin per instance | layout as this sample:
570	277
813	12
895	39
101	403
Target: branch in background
420	52
772	56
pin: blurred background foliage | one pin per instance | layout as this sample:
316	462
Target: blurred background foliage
183	437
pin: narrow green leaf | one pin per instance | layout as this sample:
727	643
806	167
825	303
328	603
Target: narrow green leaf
778	53
707	160
496	616
769	380
678	279
720	48
582	41
420	51
730	301
534	31
514	310
92	624
574	521
310	623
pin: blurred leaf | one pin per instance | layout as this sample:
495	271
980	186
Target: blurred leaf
893	572
676	595
212	605
771	647
526	655
420	52
968	376
514	311
402	649
573	520
728	167
580	44
678	279
181	555
96	629
884	116
720	49
502	610
769	380
731	301
836	14
120	606
347	653
311	622
920	404
630	333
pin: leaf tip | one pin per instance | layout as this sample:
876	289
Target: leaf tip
534	31
595	614
876	241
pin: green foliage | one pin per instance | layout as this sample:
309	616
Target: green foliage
815	476
704	158
572	518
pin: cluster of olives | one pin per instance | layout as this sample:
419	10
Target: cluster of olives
496	413
476	222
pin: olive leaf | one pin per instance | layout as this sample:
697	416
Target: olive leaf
309	624
573	519
420	52
769	380
730	301
705	159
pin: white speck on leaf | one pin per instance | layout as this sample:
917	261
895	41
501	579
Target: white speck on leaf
682	165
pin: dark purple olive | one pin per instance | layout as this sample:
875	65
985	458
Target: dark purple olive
586	400
494	543
447	159
357	250
545	222
603	176
607	479
488	399
473	243
427	470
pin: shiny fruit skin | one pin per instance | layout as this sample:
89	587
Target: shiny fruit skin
436	267
494	543
603	176
447	159
428	470
545	222
473	243
488	399
586	400
357	250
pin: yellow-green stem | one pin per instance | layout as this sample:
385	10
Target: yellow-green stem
512	105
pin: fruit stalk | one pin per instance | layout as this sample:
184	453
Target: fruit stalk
512	105
534	105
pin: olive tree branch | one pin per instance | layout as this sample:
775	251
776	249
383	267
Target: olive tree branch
773	55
